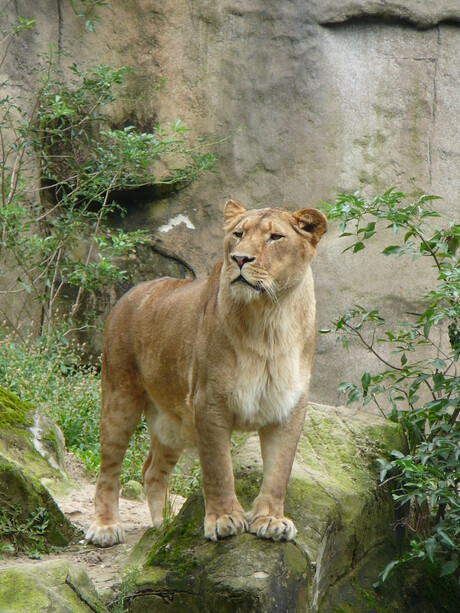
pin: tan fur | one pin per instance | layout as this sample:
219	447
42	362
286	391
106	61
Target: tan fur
205	357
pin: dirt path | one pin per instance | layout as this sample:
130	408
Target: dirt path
103	566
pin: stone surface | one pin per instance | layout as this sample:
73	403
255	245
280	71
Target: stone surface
330	96
48	586
416	12
33	442
342	515
30	468
133	490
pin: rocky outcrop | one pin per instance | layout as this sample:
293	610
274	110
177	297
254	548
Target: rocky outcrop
414	12
31	452
342	514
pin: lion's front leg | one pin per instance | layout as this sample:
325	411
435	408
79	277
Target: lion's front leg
278	444
224	513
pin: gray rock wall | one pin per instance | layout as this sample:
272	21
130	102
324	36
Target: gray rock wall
333	96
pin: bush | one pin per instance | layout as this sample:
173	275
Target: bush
419	386
63	167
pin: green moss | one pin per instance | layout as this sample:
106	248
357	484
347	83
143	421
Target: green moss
22	495
17	443
175	548
247	487
51	443
48	586
13	411
17	594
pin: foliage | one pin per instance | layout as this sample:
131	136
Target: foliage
419	386
54	220
50	375
186	477
126	586
26	535
88	10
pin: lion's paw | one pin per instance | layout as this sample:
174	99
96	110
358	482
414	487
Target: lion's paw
105	535
269	527
230	524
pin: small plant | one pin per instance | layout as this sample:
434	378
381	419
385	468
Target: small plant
88	10
419	386
186	477
125	588
23	535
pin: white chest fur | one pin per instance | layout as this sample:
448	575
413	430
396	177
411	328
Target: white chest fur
272	367
267	389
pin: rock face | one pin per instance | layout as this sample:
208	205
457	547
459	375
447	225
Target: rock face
330	96
342	515
31	448
51	586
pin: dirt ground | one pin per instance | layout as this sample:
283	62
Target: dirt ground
103	566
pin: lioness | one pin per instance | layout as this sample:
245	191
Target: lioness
204	357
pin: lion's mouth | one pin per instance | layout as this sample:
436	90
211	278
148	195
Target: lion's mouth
241	279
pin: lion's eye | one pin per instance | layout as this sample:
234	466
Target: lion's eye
237	234
276	237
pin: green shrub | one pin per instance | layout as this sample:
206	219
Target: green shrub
419	386
63	167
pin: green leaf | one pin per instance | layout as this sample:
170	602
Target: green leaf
365	381
430	546
386	571
449	568
392	250
447	539
358	247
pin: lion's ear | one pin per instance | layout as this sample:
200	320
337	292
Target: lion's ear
232	209
312	222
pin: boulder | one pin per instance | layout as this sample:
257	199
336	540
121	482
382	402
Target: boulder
31	466
48	586
342	513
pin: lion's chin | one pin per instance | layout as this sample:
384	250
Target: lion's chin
244	292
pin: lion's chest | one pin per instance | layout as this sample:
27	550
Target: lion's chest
266	389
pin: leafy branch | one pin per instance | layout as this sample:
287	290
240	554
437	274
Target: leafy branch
54	222
420	389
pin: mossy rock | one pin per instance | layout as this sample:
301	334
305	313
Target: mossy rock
21	497
183	571
24	499
414	587
341	512
33	442
48	586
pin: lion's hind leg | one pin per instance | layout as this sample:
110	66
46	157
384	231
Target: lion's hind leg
121	412
158	466
156	472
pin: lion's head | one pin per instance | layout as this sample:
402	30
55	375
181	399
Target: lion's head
267	251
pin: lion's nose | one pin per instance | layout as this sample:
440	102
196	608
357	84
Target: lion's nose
241	260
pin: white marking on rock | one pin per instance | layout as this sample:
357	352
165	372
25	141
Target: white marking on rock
37	432
260	574
177	221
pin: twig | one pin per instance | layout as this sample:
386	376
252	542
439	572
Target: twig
90	251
